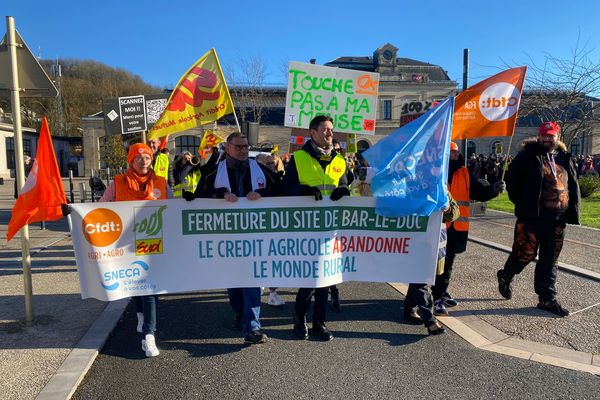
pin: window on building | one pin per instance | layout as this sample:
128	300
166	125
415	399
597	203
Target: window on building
10	153
497	147
471	149
387	109
186	143
27	147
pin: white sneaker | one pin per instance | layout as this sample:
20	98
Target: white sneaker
140	324
275	299
149	346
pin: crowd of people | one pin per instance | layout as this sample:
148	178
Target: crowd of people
541	181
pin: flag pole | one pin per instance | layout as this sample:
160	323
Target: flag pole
506	158
16	112
465	85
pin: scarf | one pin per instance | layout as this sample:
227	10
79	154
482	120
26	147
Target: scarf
141	186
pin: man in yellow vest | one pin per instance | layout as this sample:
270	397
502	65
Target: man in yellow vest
160	164
463	189
316	170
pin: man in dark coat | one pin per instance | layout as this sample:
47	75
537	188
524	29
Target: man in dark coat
238	176
542	183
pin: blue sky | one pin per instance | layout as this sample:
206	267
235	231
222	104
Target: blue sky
159	40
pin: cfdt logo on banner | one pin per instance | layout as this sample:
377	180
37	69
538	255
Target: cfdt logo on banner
499	101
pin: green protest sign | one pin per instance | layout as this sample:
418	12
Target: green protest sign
348	96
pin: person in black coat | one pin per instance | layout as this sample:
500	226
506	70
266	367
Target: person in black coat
234	177
542	183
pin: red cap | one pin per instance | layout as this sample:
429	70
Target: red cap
137	149
453	146
549	128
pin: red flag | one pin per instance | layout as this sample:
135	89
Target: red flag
43	193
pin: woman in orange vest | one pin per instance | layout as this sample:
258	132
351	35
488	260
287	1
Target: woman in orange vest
140	182
463	189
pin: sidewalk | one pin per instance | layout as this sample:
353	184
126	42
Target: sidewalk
31	356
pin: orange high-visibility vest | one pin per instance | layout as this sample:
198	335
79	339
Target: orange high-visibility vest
124	193
459	188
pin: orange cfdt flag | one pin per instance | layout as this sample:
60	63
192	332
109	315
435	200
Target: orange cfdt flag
489	108
43	192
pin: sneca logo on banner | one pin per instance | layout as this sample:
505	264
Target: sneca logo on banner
148	230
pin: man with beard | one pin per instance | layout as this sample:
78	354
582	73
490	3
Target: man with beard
463	189
542	183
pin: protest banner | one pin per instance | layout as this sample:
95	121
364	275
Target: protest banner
137	248
348	96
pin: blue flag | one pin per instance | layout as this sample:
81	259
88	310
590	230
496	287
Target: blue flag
412	165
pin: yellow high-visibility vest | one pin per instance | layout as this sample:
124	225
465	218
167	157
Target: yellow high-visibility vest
189	184
161	165
310	172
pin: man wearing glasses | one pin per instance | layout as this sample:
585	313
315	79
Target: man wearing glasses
317	170
234	177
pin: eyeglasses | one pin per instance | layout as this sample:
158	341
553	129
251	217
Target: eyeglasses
240	146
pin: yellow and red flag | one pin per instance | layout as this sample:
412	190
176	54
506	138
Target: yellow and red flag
201	96
43	192
490	107
210	139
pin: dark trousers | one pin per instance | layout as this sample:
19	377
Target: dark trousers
418	295
443	281
544	236
303	301
147	306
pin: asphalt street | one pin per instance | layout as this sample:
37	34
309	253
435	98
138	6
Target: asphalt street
373	356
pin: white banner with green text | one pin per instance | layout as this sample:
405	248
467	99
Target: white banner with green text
137	248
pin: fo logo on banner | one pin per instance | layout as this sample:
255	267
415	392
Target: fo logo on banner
102	227
499	101
148	230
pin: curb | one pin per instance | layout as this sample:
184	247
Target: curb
64	382
485	336
565	267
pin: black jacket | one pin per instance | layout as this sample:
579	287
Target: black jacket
206	186
291	182
524	180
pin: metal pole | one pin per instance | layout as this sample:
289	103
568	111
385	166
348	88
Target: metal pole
72	194
16	111
464	87
82	194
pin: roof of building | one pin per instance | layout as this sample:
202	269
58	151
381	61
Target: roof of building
404	65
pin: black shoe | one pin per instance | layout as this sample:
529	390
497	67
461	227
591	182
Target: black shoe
335	302
554	307
255	337
504	285
322	332
300	328
237	323
449	301
436	331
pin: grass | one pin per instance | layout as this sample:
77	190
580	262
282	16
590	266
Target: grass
590	208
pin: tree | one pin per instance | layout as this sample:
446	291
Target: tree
84	84
562	90
113	152
248	83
